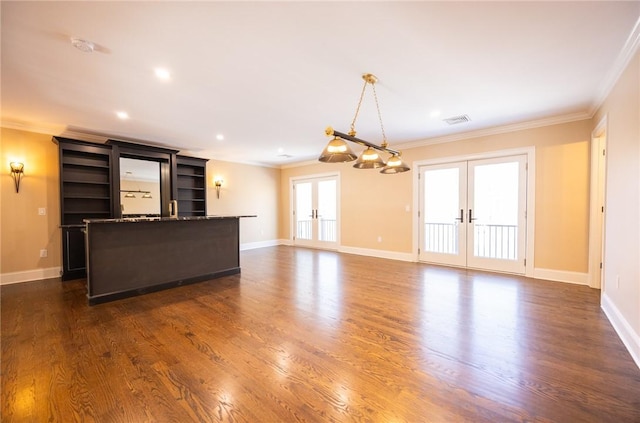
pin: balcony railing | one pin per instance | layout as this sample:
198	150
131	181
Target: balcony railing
490	241
441	238
496	241
326	229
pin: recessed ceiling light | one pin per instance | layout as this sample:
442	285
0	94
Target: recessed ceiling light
122	115
219	137
163	74
434	114
280	150
83	45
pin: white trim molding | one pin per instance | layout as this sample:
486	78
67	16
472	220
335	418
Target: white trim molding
629	338
260	244
30	275
577	278
384	254
619	65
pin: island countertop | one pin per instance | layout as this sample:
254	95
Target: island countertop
164	219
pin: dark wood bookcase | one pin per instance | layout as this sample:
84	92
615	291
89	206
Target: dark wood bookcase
85	193
90	189
191	183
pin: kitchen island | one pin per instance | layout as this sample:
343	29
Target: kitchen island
133	256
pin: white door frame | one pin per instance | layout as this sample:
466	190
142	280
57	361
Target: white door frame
597	204
292	219
530	152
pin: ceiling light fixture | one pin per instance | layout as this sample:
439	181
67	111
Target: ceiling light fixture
338	151
122	115
83	45
163	74
131	193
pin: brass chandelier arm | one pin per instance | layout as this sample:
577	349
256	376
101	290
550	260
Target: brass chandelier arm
359	141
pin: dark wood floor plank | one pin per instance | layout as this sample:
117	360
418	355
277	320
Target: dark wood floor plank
317	336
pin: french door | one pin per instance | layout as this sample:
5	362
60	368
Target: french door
473	213
315	212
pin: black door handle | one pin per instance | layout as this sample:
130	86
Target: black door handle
470	216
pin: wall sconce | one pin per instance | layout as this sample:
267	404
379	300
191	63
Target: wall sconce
17	170
218	183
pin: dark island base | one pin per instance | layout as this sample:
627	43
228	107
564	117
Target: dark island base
133	257
100	299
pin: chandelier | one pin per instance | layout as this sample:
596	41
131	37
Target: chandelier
338	151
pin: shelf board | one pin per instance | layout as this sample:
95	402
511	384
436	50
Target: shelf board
192	175
70	181
87	212
85	197
90	166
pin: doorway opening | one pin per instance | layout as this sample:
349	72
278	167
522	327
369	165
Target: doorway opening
474	211
315	211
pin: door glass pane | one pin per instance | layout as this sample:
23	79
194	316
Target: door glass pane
496	211
304	228
327	211
441	208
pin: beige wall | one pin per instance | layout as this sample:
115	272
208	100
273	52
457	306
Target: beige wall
247	190
23	232
374	205
621	284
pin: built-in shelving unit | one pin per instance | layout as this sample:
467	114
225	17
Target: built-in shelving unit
192	186
90	189
85	193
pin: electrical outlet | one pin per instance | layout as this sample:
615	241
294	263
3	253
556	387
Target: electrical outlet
379	238
43	253
42	211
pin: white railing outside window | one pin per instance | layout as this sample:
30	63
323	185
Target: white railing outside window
496	241
326	227
490	241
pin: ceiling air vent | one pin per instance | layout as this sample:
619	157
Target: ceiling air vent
457	119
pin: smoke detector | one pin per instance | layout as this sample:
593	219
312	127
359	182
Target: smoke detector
83	45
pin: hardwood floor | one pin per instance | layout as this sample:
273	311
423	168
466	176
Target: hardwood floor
315	336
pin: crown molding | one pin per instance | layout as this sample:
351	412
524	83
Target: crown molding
299	164
495	130
49	129
625	56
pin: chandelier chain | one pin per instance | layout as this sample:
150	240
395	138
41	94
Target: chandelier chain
384	136
353	122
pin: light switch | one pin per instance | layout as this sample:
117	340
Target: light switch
42	211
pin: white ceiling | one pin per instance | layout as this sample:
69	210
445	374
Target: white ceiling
271	76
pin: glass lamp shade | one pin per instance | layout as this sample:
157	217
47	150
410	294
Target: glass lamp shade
395	165
337	151
129	195
369	159
16	167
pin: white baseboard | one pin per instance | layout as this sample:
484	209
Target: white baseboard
30	275
561	276
287	242
629	337
392	255
259	244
